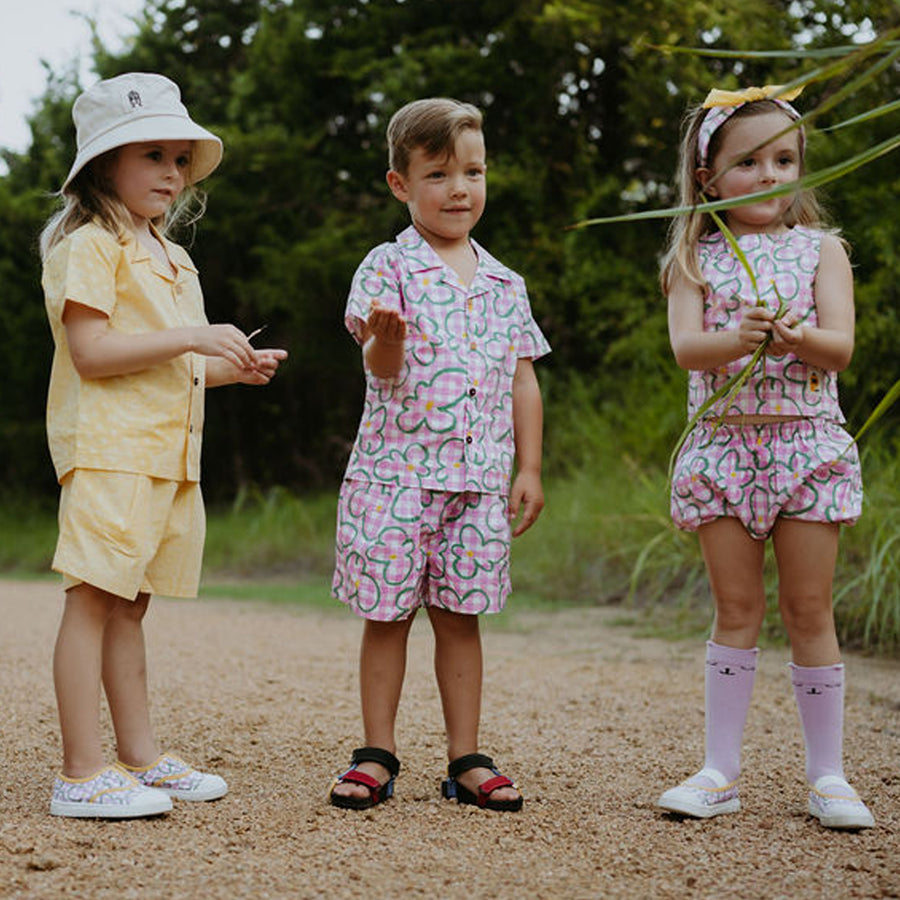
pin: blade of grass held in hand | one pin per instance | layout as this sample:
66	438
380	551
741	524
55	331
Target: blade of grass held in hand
725	394
736	249
734	384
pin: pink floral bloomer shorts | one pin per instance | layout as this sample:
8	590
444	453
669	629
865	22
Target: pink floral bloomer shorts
806	469
400	548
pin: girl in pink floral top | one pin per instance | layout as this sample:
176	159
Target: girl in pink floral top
776	461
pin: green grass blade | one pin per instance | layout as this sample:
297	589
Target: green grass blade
853	87
695	418
641	561
736	249
886	402
865	117
817	53
814	179
725	393
831	101
737	381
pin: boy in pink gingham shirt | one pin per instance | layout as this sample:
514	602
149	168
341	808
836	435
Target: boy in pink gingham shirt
452	401
451	427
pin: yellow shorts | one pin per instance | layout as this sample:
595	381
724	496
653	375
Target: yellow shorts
130	534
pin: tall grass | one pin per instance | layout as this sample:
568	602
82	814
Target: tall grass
867	591
27	535
269	533
604	538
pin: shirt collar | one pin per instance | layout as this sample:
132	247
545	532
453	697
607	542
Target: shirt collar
177	256
422	257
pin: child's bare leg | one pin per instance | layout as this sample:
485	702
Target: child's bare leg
734	563
77	666
458	668
806	553
125	681
382	667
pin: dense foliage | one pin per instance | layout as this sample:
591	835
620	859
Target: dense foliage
582	119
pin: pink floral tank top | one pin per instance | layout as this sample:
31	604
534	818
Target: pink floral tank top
785	385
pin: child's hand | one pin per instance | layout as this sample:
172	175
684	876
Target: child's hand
787	335
267	362
526	495
755	327
226	341
386	324
384	340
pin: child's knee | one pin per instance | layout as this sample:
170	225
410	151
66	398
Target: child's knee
737	610
130	610
807	615
447	623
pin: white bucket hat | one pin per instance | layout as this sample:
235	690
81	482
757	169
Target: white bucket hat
138	107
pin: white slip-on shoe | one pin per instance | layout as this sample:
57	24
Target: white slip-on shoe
108	794
836	805
176	778
702	801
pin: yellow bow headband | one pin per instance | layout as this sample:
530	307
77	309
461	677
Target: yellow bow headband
718	97
721	104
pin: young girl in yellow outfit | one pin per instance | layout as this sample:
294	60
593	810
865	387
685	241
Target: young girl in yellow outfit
134	353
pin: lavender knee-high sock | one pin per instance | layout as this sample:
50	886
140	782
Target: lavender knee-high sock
819	692
730	673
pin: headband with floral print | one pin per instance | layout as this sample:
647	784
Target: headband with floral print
721	104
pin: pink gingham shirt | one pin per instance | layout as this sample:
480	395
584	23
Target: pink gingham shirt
445	423
786	386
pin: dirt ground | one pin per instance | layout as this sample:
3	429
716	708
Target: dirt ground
592	721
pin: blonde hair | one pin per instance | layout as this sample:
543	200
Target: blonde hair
680	257
433	124
91	197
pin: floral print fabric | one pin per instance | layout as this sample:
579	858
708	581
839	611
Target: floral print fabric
399	548
805	469
785	385
445	423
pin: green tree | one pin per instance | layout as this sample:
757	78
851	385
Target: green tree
582	115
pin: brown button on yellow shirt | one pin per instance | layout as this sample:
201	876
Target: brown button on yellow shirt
148	422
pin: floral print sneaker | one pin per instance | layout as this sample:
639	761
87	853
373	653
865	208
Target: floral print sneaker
704	795
109	794
176	778
836	805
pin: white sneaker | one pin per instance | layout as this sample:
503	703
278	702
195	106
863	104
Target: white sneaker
702	801
109	794
176	778
836	805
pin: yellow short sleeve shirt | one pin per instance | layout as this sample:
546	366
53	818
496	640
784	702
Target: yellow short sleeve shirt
147	422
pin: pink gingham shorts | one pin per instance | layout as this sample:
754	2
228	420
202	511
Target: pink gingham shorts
400	548
806	469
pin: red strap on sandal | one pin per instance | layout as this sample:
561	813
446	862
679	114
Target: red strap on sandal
367	781
486	788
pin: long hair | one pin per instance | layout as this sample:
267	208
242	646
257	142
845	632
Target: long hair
680	257
91	197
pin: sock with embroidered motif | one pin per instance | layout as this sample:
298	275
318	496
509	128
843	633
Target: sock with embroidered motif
819	692
730	673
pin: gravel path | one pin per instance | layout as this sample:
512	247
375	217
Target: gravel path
592	721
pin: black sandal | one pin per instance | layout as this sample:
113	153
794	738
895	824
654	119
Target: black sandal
378	793
451	788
